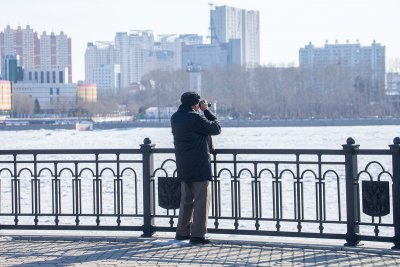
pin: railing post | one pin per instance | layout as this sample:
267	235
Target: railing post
148	198
395	150
352	197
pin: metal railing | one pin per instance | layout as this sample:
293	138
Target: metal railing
348	193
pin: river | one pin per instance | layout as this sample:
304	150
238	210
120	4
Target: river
258	137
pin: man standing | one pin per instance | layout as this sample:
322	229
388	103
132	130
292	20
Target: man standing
191	130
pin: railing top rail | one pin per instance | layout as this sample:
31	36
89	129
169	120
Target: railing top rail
285	151
280	151
69	151
217	151
263	151
373	152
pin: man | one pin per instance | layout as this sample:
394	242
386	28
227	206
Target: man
191	130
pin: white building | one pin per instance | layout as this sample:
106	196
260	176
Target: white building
128	58
133	54
50	96
46	75
49	86
107	78
141	44
97	54
122	57
228	23
100	67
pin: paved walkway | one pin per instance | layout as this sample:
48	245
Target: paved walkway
163	251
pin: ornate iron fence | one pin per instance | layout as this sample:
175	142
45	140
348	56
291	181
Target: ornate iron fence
348	193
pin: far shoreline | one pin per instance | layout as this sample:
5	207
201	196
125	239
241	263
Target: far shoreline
224	123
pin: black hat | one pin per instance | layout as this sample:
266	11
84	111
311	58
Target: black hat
190	98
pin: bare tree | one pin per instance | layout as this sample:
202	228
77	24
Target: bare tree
23	104
62	105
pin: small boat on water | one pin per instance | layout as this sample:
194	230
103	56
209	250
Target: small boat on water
84	126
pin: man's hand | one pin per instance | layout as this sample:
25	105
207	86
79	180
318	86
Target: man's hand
203	104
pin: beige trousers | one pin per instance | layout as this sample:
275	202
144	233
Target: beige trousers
193	210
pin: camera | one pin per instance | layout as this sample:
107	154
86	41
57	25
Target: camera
202	101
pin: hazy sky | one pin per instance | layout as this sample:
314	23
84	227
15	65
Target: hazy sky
285	25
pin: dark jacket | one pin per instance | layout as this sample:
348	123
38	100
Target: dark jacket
191	130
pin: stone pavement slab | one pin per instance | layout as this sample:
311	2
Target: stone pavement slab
18	250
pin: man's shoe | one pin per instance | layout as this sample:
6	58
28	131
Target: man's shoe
199	241
182	237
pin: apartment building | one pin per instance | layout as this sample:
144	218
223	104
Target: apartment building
227	23
361	67
47	51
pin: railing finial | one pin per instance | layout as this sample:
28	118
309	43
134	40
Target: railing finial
396	140
350	141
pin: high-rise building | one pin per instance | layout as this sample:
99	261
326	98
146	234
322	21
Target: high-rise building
55	51
228	23
100	67
122	56
132	51
21	42
130	55
141	48
33	52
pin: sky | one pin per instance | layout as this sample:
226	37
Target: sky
285	25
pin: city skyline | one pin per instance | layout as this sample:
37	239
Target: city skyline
285	26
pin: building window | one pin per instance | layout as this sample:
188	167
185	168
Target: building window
58	91
54	77
61	77
41	77
36	76
51	91
48	76
30	75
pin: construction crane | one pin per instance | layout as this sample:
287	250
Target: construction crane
213	36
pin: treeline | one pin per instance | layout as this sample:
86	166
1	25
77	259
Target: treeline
261	93
279	93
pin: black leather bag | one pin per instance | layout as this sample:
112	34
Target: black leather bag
169	192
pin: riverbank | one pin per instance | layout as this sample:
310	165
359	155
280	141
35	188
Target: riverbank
224	123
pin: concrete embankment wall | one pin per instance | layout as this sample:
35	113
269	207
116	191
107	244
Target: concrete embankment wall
227	123
35	127
265	123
